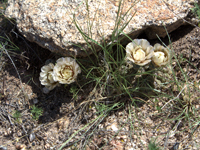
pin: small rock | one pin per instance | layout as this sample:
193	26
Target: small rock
33	144
3	148
45	90
47	146
35	101
28	127
66	123
19	134
8	132
112	127
148	121
175	146
19	146
60	124
32	137
101	126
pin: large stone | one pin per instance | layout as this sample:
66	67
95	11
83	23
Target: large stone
50	24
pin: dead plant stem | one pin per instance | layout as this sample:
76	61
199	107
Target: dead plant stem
16	70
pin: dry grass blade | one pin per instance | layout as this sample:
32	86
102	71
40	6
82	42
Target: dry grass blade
4	49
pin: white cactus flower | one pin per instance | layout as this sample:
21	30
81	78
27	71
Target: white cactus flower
46	77
66	70
139	51
161	55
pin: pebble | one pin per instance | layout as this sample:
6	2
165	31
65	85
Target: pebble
33	144
45	90
35	101
8	132
114	127
19	134
32	137
19	146
47	146
175	146
3	148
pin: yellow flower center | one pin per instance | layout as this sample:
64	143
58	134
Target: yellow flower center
66	72
159	57
139	55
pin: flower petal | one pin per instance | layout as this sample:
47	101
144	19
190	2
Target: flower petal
46	76
161	55
139	51
66	70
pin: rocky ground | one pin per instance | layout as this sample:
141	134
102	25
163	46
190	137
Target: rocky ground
20	89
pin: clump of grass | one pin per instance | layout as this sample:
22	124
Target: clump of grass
17	115
196	10
112	81
74	90
153	146
103	70
36	112
108	68
109	75
182	96
3	4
